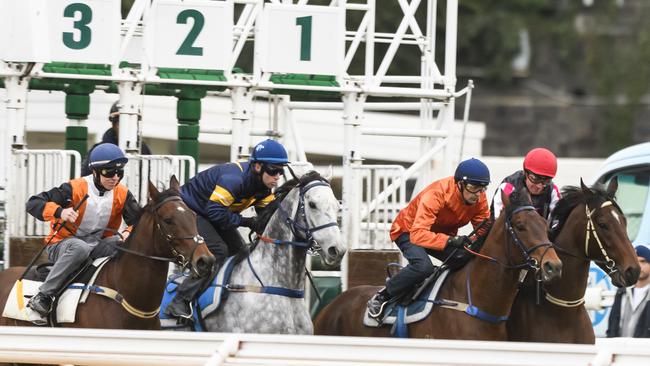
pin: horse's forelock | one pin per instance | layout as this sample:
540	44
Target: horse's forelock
517	199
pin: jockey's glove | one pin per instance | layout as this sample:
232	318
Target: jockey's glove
249	222
457	241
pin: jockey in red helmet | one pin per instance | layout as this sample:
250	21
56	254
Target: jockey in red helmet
429	225
540	166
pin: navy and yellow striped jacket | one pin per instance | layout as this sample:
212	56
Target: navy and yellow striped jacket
223	191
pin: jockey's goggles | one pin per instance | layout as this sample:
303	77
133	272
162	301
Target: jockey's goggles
273	170
111	172
538	179
475	188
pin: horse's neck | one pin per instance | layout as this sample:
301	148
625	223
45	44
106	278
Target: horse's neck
141	280
575	271
493	286
286	262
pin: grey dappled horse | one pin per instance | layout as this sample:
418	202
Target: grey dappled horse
302	218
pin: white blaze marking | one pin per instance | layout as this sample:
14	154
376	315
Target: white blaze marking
180	209
615	214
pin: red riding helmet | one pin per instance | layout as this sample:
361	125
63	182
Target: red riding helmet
541	162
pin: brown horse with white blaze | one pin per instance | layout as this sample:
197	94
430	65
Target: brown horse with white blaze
165	232
591	227
517	241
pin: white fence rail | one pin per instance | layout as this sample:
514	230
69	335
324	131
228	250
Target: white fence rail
378	210
34	171
158	169
120	347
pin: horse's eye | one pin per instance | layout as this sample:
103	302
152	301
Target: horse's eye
520	227
168	221
602	225
312	205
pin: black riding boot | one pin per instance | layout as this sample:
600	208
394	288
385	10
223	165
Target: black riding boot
41	304
181	305
377	303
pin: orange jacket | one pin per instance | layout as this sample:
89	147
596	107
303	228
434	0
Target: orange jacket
436	213
47	206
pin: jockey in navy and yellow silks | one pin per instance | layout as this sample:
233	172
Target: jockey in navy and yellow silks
89	231
218	196
220	193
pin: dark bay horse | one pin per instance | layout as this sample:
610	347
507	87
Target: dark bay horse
266	294
165	232
517	241
591	228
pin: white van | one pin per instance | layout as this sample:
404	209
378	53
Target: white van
632	167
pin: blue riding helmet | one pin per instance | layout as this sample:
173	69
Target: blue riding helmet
107	155
473	171
269	151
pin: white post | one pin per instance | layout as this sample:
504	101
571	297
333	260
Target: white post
13	134
352	121
129	105
241	114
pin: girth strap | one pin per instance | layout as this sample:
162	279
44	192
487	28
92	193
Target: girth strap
114	295
471	310
271	290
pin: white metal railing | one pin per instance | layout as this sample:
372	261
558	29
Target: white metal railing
158	169
127	347
378	211
32	172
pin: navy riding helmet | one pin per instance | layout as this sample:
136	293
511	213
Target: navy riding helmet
473	171
270	152
107	155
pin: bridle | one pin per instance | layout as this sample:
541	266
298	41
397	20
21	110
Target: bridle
178	257
590	232
529	262
299	225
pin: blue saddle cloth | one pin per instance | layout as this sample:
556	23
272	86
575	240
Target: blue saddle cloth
207	302
413	312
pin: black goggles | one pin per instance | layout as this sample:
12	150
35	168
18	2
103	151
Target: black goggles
273	169
475	188
111	172
538	179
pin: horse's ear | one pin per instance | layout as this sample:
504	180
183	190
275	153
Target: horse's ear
505	198
330	173
173	183
612	187
586	190
153	191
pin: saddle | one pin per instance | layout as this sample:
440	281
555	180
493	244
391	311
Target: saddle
411	307
73	292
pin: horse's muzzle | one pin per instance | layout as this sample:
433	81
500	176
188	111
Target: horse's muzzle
551	270
204	264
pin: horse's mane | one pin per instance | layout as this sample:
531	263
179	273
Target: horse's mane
282	192
571	197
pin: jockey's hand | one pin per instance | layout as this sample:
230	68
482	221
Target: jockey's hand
249	222
457	241
125	235
69	214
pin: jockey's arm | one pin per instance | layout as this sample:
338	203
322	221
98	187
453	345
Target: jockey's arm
48	205
223	196
130	213
425	217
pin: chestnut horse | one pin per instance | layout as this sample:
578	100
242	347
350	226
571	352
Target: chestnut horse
591	228
518	241
165	232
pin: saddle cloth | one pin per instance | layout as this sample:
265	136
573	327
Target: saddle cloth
207	302
415	311
66	303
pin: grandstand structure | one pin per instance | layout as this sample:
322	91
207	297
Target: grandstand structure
187	50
